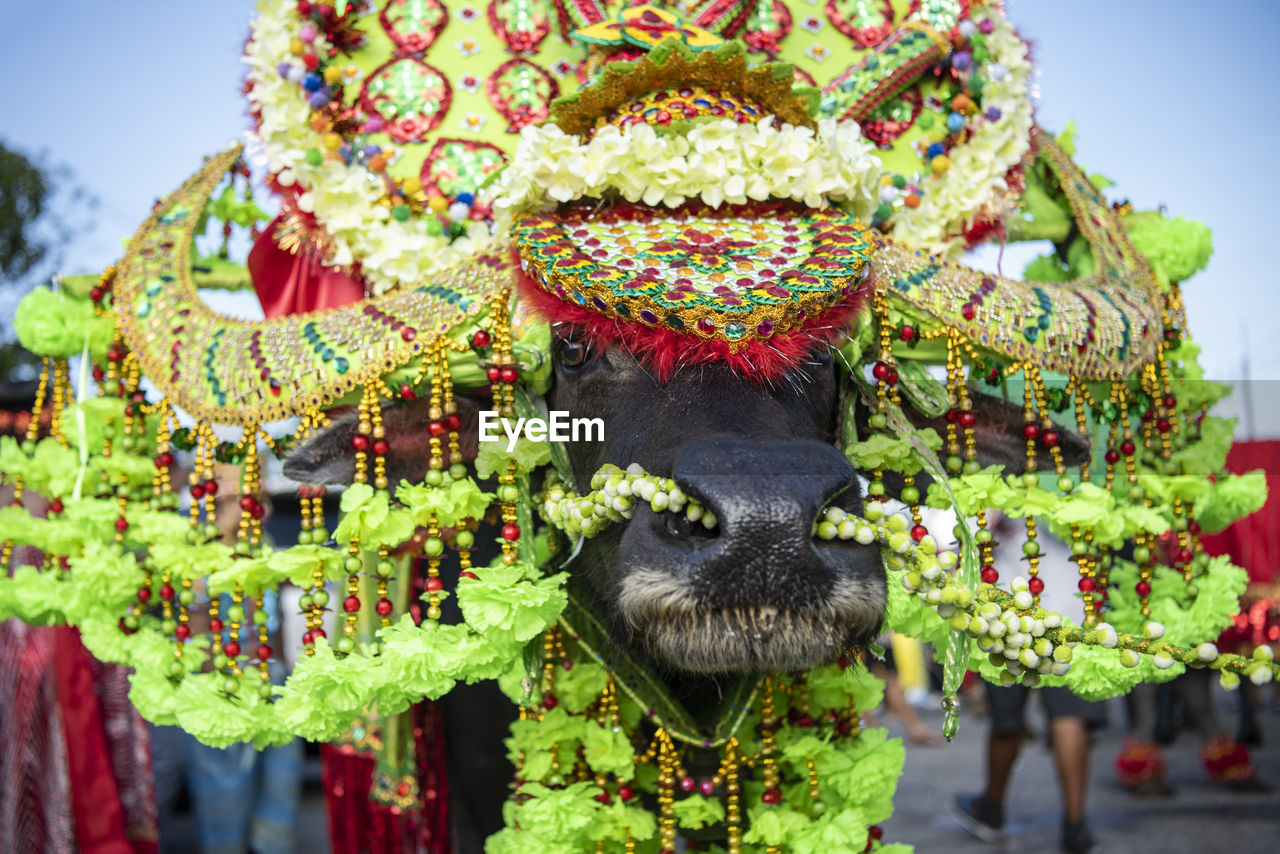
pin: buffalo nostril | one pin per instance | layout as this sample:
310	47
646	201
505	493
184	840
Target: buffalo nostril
680	528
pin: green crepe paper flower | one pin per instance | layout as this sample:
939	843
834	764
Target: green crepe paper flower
102	577
511	602
1232	497
253	574
985	488
428	659
368	517
32	597
345	684
215	719
155	695
778	826
460	499
60	325
831	687
529	455
1187	620
908	615
843	830
579	686
608	750
696	811
896	453
1208	453
1177	248
298	564
147	526
191	561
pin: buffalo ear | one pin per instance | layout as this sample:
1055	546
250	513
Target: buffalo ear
329	458
999	440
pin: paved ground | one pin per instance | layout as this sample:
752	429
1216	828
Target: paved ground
1198	819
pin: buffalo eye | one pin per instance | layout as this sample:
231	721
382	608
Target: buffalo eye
573	352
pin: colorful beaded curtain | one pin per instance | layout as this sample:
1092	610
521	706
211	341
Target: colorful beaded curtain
381	124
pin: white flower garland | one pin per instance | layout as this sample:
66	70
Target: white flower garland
718	162
345	199
979	166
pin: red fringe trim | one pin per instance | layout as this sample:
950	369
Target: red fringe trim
1138	762
664	351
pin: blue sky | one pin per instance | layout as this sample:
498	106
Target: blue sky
1173	100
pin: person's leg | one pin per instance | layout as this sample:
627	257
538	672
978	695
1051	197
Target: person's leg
1071	755
983	815
1002	752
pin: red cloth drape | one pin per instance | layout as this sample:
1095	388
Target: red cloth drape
289	283
1254	544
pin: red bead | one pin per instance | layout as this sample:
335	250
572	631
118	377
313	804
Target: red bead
124	628
1050	438
304	8
892	379
1148	415
481	338
466	573
625	793
144	594
452	421
383	607
1087	585
351	604
258	511
56	506
1142	588
408	333
687	784
247	502
875	831
1163	425
432	584
806	721
843	662
98	374
604	797
360	442
164	460
197	492
1036	586
435	428
95	294
122	524
215	625
406	392
771	796
211	487
511	531
1170	401
953	414
494	373
919	532
182	631
317	634
508	374
232	649
263	652
706	787
966	419
380	447
989	574
967	311
1186	556
1193	526
1030	431
550	701
880	370
311	61
1127	448
167	592
907	333
307	639
1113	456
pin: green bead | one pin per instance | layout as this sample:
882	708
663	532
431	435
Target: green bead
314	157
509	494
1079	547
175	668
401	213
304	537
954	464
457	471
1066	484
466	539
242	546
260	616
186	597
434	547
878	421
266	690
353	565
220	661
971	467
910	495
1192	591
345	645
169	626
1031	548
193	536
131	622
230	685
211	531
235	614
305	602
1180	523
320	598
1141	555
435	477
29	447
1030	479
983	535
875	488
1137	493
385	569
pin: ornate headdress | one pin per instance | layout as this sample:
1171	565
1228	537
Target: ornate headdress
693	201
